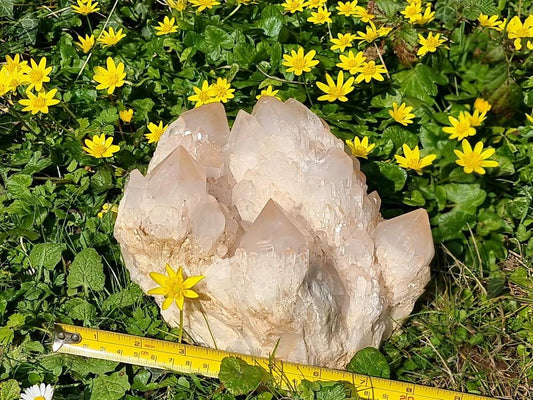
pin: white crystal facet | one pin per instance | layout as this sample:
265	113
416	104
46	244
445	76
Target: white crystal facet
276	215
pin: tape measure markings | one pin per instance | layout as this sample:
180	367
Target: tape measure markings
204	361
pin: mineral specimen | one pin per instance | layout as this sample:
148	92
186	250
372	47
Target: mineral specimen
277	217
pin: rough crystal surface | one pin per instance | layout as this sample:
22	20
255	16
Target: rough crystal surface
277	217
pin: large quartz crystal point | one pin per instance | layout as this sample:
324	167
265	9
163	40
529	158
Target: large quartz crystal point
275	214
404	252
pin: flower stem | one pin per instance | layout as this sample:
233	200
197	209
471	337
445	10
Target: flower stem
180	331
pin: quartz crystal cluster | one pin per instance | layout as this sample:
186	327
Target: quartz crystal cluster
276	215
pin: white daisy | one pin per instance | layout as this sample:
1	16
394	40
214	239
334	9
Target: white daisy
38	392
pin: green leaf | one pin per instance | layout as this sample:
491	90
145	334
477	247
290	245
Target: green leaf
110	387
369	361
17	185
102	181
521	276
400	136
46	255
143	106
467	197
271	21
29	28
239	377
80	309
6	10
81	366
124	298
216	37
331	391
418	82
391	177
9	390
87	271
451	224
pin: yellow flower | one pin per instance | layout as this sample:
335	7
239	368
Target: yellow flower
360	148
15	72
336	91
516	29
369	71
476	119
501	25
370	35
178	5
100	146
268	92
111	37
298	62
402	114
155	132
39	103
203	4
222	90
423	19
530	44
412	159
86	44
110	78
38	74
351	63
342	41
202	96
347	9
85	7
529	117
166	27
173	287
320	17
488	22
363	14
475	160
294	5
126	115
429	44
412	11
15	79
460	128
482	105
107	207
15	65
4	81
315	3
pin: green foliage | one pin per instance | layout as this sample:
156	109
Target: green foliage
86	271
110	387
59	261
239	377
369	361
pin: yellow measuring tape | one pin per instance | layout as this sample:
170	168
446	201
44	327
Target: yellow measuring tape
189	359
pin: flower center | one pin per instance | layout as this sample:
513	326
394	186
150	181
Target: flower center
299	63
462	127
369	69
36	75
40	398
432	42
336	92
99	150
114	79
413	163
472	160
39	102
204	96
